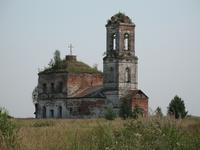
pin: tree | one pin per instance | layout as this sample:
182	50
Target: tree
158	112
125	108
57	56
109	114
56	61
137	112
176	108
8	133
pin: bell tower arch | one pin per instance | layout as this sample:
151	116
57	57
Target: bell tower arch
120	62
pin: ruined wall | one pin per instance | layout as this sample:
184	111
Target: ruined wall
141	102
77	83
62	85
45	108
86	107
52	86
70	108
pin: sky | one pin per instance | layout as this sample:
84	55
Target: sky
167	45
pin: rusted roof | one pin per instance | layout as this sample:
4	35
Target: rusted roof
119	18
133	93
95	91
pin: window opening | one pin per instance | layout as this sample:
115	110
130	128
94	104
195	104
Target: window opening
44	87
111	74
128	75
60	87
126	41
44	112
52	87
70	109
60	111
51	113
114	42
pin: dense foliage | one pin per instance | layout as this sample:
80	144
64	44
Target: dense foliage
126	110
158	112
7	131
177	108
110	114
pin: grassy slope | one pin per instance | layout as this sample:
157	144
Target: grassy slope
144	133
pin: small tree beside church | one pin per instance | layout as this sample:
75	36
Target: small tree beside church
158	112
125	108
55	63
137	112
110	114
176	108
57	59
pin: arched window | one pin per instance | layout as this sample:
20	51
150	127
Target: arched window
36	110
128	75
111	75
52	87
44	87
52	113
60	87
114	41
44	112
126	41
60	111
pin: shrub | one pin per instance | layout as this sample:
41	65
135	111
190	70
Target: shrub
158	112
177	108
125	108
110	114
137	112
8	138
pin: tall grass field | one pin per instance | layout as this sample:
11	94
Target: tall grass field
100	134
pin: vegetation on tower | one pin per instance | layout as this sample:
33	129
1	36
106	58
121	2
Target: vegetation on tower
69	65
119	18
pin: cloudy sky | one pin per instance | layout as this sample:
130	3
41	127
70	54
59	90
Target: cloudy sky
167	44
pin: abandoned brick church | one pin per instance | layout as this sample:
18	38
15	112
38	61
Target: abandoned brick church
75	90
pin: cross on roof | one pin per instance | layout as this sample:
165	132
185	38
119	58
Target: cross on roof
70	48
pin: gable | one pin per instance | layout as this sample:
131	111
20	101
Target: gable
138	94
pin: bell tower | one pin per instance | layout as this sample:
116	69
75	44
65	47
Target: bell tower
120	62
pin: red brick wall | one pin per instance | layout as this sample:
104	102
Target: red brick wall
142	103
78	82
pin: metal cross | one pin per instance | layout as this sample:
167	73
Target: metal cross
70	48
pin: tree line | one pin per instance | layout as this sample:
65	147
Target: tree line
175	109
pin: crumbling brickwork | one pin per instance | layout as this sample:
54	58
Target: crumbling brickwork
77	83
73	89
139	99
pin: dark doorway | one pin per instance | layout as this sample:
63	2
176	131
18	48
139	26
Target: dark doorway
44	112
60	112
51	113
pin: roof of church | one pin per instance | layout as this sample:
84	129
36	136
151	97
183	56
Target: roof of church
69	65
95	91
119	18
133	93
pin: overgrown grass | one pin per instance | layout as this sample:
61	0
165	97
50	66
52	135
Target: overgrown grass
143	133
8	132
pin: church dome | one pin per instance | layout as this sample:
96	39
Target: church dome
119	18
69	65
